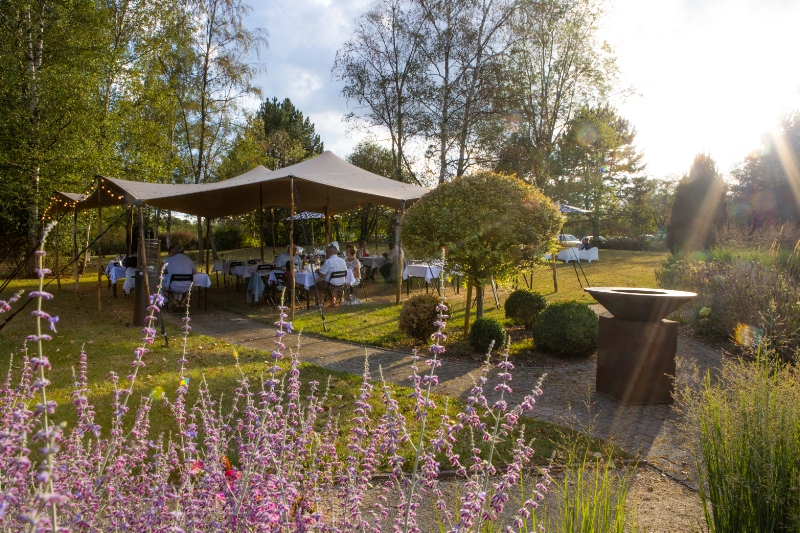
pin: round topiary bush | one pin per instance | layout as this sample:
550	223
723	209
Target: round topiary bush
418	315
566	328
484	331
523	306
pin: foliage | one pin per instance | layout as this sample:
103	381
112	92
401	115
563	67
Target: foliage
218	469
229	237
591	497
485	332
290	138
418	315
763	192
747	433
700	207
566	328
487	222
524	306
555	63
595	158
738	295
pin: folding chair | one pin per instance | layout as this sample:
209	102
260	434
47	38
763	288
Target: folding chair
231	271
262	271
354	289
252	261
169	292
341	274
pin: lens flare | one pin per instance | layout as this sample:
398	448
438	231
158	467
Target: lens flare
748	336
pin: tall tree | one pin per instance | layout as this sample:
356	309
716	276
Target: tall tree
290	138
767	183
557	64
212	79
463	43
700	206
48	68
382	72
595	159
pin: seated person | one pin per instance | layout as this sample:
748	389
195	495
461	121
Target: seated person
362	251
333	263
180	264
285	258
584	244
288	273
130	261
353	263
391	259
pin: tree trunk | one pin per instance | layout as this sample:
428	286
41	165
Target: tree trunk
595	230
468	307
214	247
168	230
86	253
478	301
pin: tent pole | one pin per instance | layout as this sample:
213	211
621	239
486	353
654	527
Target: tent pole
75	250
398	243
327	228
141	261
376	229
58	270
99	248
261	221
291	246
273	231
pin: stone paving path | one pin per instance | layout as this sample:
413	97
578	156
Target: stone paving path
569	400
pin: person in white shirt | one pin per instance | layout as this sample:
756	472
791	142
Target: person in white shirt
332	264
180	264
284	258
388	270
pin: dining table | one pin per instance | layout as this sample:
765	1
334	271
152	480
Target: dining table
201	281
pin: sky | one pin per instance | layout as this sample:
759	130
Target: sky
705	76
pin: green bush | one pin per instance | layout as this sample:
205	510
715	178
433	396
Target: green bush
523	306
566	328
418	315
229	237
484	331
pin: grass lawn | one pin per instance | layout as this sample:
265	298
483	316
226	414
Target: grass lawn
109	344
375	322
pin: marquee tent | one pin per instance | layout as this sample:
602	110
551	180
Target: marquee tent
325	183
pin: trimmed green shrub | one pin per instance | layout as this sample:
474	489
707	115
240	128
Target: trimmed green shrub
484	331
523	306
418	315
566	328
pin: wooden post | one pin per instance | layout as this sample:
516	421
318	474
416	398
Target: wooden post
468	308
99	248
555	274
273	231
327	229
291	247
398	242
75	250
141	261
376	229
58	270
261	221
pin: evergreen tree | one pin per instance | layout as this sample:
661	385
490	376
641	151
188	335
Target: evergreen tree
700	207
290	138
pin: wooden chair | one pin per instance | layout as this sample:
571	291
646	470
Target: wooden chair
235	264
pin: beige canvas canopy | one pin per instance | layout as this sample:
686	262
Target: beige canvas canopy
61	202
325	182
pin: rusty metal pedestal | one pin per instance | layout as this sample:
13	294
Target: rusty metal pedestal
636	360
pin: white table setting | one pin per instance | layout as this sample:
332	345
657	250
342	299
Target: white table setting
200	280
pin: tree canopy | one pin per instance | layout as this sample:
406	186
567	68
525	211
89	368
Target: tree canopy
487	222
289	137
699	208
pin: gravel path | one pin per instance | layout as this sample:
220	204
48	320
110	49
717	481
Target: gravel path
569	399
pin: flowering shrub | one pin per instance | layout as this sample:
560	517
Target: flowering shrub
287	473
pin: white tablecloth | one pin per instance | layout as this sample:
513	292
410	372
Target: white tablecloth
222	267
200	280
309	279
374	261
244	269
261	273
573	254
115	272
428	272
